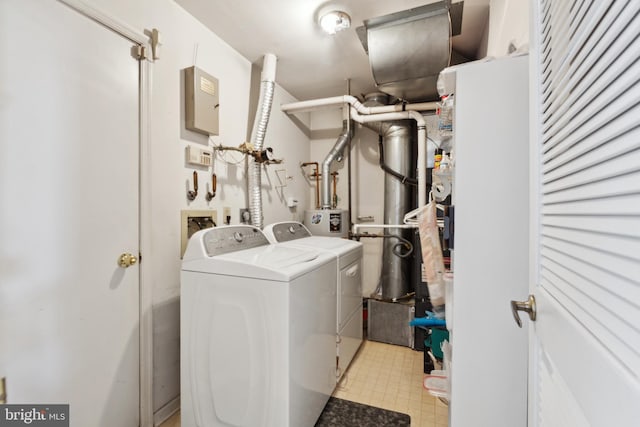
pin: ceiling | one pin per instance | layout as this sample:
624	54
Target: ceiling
312	64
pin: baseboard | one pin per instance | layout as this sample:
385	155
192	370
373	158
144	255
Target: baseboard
164	413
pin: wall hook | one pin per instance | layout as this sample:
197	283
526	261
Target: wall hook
191	195
211	194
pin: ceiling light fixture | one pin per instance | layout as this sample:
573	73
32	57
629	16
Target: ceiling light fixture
334	21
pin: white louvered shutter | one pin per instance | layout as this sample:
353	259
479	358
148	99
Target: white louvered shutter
587	198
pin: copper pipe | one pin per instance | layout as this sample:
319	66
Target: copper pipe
335	189
315	174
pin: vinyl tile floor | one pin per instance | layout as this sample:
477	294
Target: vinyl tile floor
386	376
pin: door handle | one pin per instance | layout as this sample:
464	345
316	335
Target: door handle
126	260
353	271
528	306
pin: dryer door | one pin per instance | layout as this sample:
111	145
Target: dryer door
350	291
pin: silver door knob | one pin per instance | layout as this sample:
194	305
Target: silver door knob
528	306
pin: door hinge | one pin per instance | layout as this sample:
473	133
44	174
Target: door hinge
139	52
3	391
154	40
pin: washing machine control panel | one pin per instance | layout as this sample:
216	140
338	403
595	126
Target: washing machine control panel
222	240
287	231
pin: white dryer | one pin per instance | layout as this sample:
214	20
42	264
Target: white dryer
257	325
348	325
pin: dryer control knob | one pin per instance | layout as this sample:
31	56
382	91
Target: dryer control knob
291	229
238	236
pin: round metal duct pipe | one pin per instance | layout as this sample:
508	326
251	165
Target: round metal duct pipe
399	144
398	141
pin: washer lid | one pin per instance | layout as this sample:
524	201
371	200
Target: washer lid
336	244
269	262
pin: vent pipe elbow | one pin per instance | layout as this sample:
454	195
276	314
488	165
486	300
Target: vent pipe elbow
335	153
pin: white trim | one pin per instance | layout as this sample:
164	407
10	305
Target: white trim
146	294
534	206
106	20
166	412
144	194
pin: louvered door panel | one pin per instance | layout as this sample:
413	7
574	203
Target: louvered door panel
588	198
590	107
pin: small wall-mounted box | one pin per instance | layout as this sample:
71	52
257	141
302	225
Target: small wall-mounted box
201	101
198	156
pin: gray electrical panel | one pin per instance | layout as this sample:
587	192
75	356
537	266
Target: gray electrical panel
201	101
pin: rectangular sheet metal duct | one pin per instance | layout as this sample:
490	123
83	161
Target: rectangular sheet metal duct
408	49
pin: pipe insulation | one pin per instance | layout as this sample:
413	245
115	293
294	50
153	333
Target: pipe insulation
254	183
336	153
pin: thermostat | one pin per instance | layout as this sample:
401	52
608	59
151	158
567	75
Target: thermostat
198	156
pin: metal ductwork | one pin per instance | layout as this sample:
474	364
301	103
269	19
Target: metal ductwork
336	153
399	142
408	49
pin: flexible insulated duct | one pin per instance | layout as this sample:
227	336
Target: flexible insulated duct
254	184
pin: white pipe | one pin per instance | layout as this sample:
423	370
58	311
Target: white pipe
338	101
356	227
268	68
302	106
422	142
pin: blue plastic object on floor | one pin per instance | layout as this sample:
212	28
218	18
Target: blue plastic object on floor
428	321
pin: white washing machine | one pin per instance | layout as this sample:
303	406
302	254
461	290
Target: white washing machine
348	325
257	324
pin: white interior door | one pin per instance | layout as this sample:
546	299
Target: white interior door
490	259
69	144
585	344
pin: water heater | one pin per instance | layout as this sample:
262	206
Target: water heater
327	222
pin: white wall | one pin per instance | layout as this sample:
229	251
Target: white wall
368	200
181	37
508	25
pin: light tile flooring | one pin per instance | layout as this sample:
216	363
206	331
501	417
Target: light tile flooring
389	377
